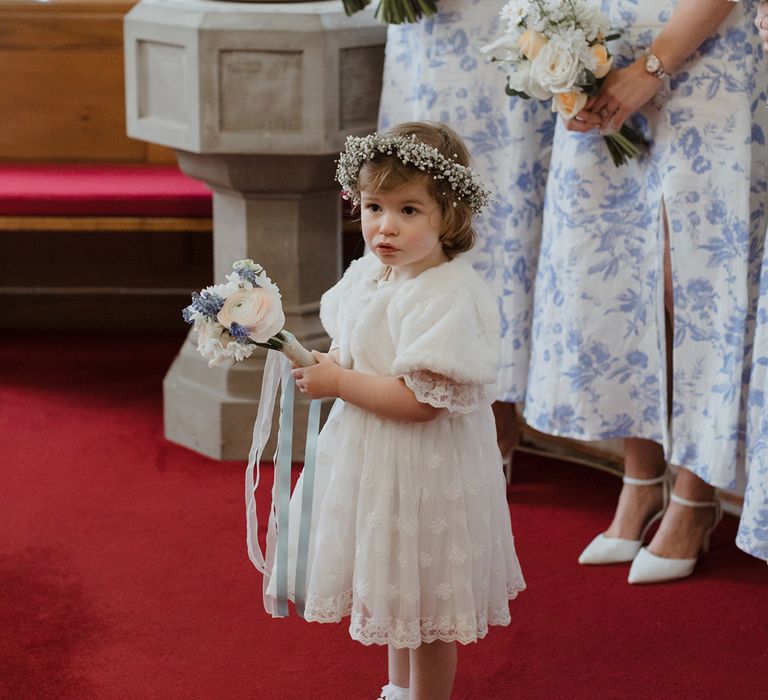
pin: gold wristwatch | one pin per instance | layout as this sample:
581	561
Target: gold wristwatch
653	66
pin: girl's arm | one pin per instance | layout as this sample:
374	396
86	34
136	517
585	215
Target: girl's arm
626	90
387	397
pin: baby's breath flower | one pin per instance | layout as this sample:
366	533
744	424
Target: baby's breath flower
358	149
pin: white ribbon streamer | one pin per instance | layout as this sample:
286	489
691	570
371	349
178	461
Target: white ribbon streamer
261	430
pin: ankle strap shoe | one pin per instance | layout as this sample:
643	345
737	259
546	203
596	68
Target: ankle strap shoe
615	550
650	568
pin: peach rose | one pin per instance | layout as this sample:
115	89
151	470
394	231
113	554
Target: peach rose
258	309
569	104
531	42
603	60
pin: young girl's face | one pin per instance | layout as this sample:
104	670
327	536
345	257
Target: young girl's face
402	228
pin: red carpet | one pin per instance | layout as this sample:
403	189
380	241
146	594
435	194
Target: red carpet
100	190
124	574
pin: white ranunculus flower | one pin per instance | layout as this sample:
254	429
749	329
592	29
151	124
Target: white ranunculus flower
556	67
258	309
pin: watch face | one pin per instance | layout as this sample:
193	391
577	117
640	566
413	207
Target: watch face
652	64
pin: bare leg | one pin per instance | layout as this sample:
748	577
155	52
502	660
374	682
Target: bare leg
682	528
507	427
643	459
433	668
398	663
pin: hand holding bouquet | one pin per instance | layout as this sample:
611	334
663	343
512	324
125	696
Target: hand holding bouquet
235	318
557	51
395	11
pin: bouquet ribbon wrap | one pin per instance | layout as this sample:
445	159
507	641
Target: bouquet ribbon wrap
274	562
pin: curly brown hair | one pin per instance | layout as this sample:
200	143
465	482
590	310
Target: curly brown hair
385	173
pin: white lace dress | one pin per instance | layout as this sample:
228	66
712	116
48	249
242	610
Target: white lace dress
410	530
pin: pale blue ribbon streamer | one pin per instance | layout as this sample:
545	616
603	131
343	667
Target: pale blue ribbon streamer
277	371
283	490
307	492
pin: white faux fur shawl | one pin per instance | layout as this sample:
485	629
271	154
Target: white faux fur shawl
445	320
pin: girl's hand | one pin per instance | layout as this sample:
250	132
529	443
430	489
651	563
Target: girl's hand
623	92
321	380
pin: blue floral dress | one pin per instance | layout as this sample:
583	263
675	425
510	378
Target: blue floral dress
752	536
598	365
434	71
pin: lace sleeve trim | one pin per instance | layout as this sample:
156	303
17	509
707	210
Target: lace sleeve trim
440	392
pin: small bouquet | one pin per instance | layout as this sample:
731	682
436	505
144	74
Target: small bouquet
557	51
235	318
395	11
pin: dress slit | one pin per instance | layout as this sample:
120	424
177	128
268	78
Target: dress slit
666	328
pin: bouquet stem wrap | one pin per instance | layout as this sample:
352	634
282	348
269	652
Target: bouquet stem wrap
295	351
277	373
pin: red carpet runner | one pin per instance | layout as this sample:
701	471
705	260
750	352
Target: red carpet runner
124	574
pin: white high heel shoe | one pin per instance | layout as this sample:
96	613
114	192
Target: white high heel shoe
650	568
615	550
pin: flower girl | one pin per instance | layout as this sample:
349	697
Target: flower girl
410	532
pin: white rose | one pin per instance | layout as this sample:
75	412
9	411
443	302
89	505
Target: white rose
519	79
556	67
258	309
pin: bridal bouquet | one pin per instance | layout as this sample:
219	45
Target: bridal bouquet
235	318
395	11
557	51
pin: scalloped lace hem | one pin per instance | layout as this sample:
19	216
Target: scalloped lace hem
407	633
328	609
440	392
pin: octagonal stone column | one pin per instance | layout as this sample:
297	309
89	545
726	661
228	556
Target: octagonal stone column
257	100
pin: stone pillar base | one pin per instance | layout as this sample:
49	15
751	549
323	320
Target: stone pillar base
209	410
257	100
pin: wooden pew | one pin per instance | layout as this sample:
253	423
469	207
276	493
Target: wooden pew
61	77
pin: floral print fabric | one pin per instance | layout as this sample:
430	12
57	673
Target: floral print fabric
434	71
598	365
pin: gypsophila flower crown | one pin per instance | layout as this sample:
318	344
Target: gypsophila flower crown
358	149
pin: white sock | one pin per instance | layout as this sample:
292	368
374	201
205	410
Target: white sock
394	692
